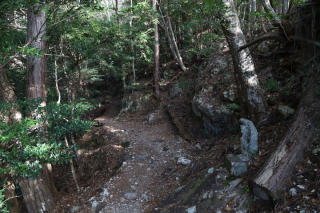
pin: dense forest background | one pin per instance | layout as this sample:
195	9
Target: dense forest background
62	62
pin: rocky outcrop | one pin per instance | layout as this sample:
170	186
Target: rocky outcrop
137	101
215	93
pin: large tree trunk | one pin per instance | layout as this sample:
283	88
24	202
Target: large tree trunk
156	54
244	69
37	191
36	65
273	178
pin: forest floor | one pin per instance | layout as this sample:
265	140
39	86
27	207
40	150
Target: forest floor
151	150
138	162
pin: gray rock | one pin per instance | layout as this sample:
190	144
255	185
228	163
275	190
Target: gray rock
183	161
316	151
75	209
142	156
198	146
175	90
207	195
154	118
216	117
286	111
144	197
192	209
158	140
130	195
136	101
249	138
301	187
210	170
293	192
239	164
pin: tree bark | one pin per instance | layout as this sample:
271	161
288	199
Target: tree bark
267	6
37	191
274	176
36	65
244	69
172	41
156	54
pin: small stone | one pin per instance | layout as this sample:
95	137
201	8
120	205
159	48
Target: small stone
207	195
211	170
158	140
192	209
130	196
301	187
105	193
144	197
179	189
302	211
153	118
239	164
293	192
183	161
285	110
198	146
75	209
94	204
316	151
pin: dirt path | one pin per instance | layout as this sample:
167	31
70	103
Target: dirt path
143	178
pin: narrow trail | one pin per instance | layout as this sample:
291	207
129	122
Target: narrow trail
151	155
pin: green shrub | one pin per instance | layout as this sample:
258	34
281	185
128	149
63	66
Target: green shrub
271	85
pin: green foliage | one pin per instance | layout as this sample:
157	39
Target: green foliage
3	205
27	145
271	85
246	189
234	107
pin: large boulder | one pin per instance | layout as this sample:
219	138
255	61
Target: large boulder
215	94
137	101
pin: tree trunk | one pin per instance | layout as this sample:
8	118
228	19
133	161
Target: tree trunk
156	54
172	41
273	178
267	6
36	65
37	192
244	69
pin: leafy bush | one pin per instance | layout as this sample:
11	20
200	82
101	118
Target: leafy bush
3	205
38	139
271	85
